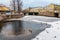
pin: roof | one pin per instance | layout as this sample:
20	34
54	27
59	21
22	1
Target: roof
4	8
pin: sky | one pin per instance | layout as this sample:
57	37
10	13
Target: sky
32	3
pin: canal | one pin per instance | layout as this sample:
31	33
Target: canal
23	30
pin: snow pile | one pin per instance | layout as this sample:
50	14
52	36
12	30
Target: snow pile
52	33
40	18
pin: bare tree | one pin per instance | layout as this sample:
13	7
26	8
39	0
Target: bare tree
19	3
16	5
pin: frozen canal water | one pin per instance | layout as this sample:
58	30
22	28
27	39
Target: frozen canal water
27	24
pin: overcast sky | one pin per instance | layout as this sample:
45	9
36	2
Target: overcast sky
32	3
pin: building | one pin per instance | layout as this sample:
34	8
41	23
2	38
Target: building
53	10
4	9
32	11
50	10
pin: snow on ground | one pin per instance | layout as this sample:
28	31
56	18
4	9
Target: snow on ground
40	18
37	18
52	33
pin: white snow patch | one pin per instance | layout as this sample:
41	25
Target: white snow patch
52	33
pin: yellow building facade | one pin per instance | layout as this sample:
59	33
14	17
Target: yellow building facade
53	10
49	10
4	9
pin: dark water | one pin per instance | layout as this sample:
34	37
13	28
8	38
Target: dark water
25	25
17	26
13	26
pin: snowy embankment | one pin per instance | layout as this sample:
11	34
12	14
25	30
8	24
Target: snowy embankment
52	33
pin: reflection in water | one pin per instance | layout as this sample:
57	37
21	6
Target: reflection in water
17	27
12	28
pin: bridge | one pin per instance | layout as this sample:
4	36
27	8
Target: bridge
10	17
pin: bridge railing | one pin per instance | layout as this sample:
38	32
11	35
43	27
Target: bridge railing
4	16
